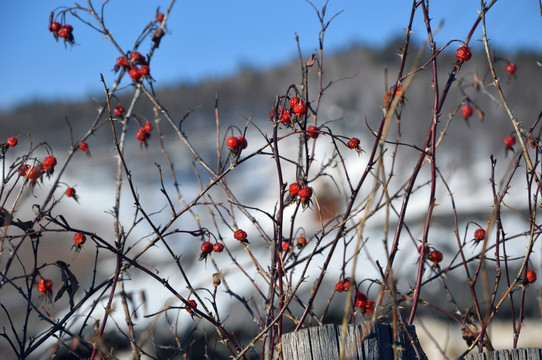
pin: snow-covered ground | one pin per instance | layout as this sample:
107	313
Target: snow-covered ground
255	184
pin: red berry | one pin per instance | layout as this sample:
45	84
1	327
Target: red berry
353	143
369	307
70	192
399	90
479	234
35	172
137	58
134	73
144	70
530	276
65	31
294	188
285	246
12	141
232	143
339	286
24	169
425	250
387	98
193	305
159	17
286	116
463	53
79	239
44	285
313	131
300	108
511	68
207	247
122	62
55	27
346	283
361	300
148	127
301	242
240	235
83	146
436	257
305	194
466	111
119	110
218	247
141	134
294	101
242	142
272	114
49	164
509	141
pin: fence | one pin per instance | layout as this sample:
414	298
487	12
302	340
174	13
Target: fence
374	341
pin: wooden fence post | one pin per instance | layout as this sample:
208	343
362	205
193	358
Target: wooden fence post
367	341
508	354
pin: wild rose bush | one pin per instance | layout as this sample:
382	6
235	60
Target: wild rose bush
261	246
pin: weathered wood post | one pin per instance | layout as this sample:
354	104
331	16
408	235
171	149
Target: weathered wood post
508	354
367	341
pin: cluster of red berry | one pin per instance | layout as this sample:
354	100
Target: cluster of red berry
236	144
301	243
364	305
300	192
342	285
192	306
62	31
37	170
399	92
431	254
144	133
45	286
136	65
297	107
207	247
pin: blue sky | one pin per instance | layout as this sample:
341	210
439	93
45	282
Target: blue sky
214	38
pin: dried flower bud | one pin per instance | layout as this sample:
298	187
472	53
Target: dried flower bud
217	279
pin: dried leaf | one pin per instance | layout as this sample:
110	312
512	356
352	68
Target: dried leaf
310	62
70	283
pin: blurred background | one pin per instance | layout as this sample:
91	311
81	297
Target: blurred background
216	39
